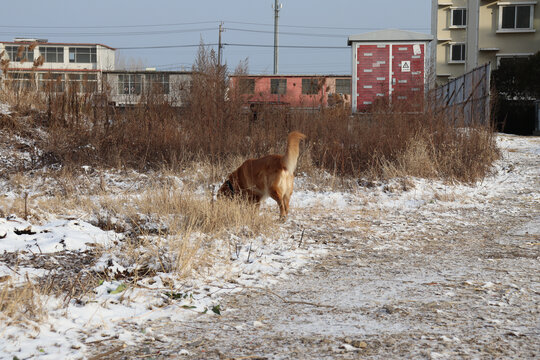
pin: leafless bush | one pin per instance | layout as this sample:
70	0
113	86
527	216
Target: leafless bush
214	126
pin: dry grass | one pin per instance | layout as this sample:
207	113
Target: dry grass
21	304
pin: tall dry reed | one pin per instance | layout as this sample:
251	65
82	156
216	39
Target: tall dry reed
214	126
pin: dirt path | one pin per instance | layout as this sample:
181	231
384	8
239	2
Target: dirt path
450	278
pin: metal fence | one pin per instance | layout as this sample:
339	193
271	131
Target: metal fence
465	98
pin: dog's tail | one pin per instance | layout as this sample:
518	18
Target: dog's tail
290	158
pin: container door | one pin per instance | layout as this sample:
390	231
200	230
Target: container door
373	72
408	75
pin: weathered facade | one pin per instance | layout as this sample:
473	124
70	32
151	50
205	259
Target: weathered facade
295	91
131	87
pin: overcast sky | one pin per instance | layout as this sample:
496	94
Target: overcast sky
176	28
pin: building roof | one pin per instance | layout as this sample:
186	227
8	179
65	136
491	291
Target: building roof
291	75
145	71
390	35
39	42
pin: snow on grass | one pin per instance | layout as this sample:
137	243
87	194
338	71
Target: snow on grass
17	234
4	109
121	310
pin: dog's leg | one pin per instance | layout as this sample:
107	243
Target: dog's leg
286	199
276	195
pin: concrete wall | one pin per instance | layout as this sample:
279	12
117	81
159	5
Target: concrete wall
515	42
178	82
105	57
492	42
293	95
447	35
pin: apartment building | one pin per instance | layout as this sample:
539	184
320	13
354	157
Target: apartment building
470	33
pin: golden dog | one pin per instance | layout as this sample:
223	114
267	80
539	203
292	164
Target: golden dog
272	175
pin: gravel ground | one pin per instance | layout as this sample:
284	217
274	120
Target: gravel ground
457	277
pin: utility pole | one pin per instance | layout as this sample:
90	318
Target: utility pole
471	49
277	7
220	46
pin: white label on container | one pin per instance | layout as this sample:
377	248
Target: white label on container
405	66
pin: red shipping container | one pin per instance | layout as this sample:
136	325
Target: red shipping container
389	65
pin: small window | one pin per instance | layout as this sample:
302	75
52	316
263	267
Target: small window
83	83
158	83
310	86
247	86
343	86
129	84
82	55
516	17
459	17
53	82
19	81
52	54
20	53
516	60
457	53
278	86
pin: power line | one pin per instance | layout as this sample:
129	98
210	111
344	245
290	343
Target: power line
204	22
287	33
162	47
126	33
231	44
290	46
325	27
105	26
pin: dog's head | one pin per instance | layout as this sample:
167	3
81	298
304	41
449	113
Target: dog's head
227	189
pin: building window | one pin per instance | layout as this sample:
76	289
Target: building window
83	83
158	83
516	17
457	53
19	80
20	53
310	86
82	55
517	60
53	82
343	86
459	17
129	84
278	86
52	54
247	86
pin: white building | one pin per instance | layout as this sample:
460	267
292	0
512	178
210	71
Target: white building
130	87
54	64
85	68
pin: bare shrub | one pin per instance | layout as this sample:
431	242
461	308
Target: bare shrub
214	126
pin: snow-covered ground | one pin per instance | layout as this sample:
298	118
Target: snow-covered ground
366	223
